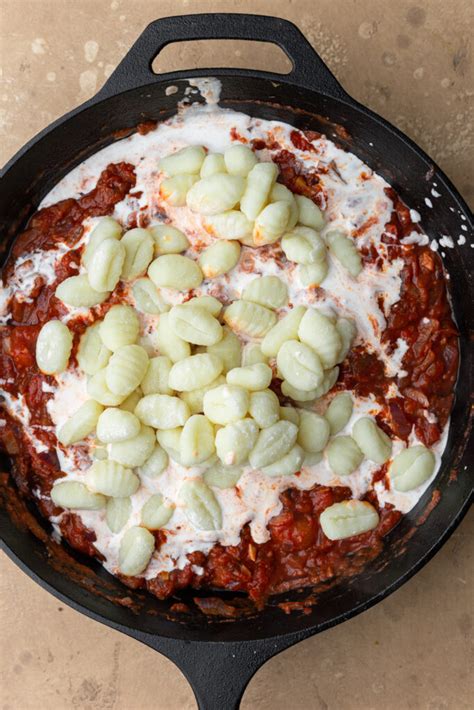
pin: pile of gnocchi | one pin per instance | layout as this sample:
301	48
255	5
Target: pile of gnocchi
203	396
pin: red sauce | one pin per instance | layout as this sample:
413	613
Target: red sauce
298	553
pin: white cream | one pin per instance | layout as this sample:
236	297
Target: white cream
354	197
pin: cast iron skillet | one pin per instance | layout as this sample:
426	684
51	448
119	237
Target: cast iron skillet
219	657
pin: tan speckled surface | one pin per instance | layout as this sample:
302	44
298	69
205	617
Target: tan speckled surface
413	64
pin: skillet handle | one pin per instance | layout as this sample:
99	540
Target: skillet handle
309	71
218	672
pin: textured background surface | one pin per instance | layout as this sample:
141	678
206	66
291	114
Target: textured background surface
410	62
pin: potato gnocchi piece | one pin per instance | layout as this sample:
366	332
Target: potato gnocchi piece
216	193
239	159
304	246
220	476
344	456
347	331
200	505
196	444
129	404
106	228
249	318
175	271
53	347
139	249
351	517
136	551
312	275
111	479
170	439
92	354
273	443
285	329
230	225
235	441
168	343
339	412
162	411
126	369
329	380
297	394
219	258
271	222
300	365
133	452
209	303
120	327
174	190
225	404
251	355
253	377
345	251
168	239
213	163
313	432
187	160
312	458
195	325
228	349
195	398
76	291
290	414
106	265
117	512
155	514
371	440
147	297
280	193
155	464
157	376
195	372
81	424
260	181
116	425
75	495
411	467
264	408
98	389
268	291
320	333
289	464
309	214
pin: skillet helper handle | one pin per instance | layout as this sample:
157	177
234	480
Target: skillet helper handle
309	71
219	672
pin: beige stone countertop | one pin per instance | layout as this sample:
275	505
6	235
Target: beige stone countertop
410	61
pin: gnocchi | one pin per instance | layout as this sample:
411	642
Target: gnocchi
249	318
106	265
155	464
195	325
53	347
200	505
271	222
112	479
168	239
264	407
116	425
304	246
219	258
77	292
344	456
120	327
235	441
345	251
252	377
195	398
162	411
268	291
411	467
213	163
106	228
136	550
98	389
139	249
156	513
348	518
175	271
173	190
273	443
81	424
300	365
209	303
251	355
168	343
312	275
339	412
309	214
320	333
228	349
239	159
76	495
196	443
216	193
147	297
230	225
226	403
347	332
187	160
126	369
135	451
285	329
156	379
260	181
195	372
220	476
371	440
92	354
313	433
289	464
117	512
